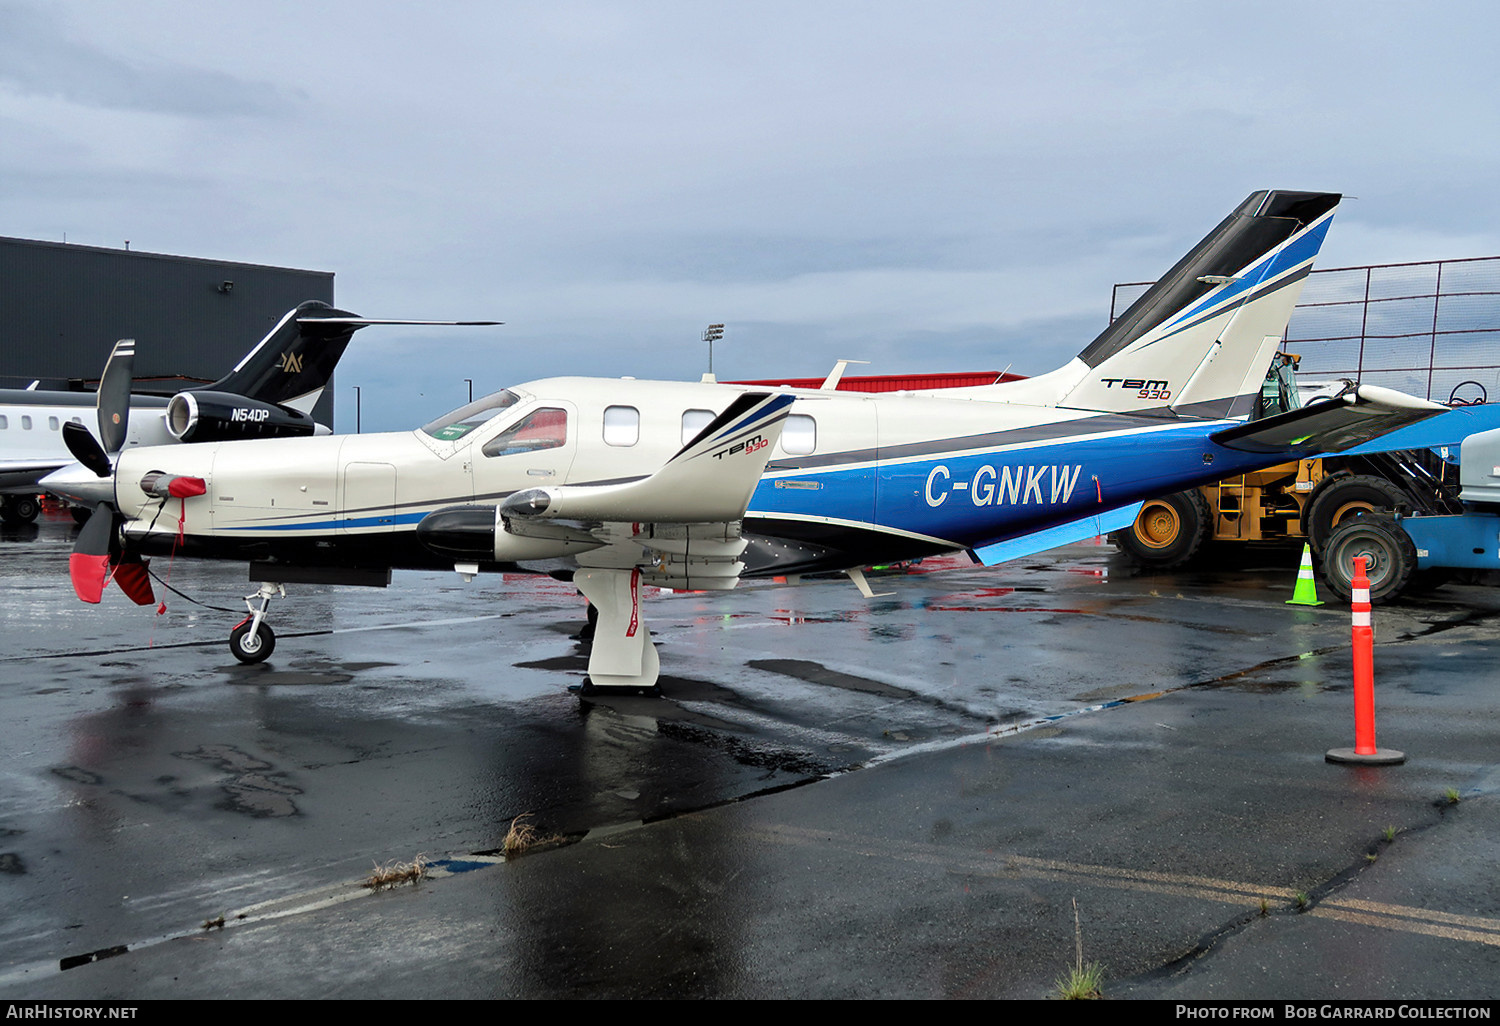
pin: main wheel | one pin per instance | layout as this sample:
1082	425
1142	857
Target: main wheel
252	648
1167	532
1390	557
20	509
1344	498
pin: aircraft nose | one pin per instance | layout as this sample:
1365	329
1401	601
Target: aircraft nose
80	484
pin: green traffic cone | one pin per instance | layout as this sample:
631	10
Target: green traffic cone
1307	587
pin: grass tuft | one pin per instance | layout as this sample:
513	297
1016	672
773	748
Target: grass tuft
1083	982
1390	833
1452	795
523	837
394	874
1302	899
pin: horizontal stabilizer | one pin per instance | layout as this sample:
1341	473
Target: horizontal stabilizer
1078	530
1446	429
1362	413
709	481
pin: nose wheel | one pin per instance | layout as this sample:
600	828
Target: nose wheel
253	641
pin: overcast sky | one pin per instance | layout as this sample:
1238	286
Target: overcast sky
933	186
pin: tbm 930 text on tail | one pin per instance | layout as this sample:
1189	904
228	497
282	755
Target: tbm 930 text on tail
695	485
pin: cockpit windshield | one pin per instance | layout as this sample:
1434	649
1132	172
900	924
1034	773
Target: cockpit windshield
466	418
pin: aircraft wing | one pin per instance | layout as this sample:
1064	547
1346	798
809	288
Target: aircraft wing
1335	425
685	515
21	472
709	480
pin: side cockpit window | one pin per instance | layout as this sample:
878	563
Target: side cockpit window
546	428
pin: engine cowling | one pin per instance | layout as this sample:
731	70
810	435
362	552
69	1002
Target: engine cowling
223	417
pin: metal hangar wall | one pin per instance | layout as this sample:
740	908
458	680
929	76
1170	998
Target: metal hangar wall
65	305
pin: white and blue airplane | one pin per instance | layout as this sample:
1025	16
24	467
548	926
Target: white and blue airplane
696	485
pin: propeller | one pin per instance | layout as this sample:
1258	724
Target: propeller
113	407
97	554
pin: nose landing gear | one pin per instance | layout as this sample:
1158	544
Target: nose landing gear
252	640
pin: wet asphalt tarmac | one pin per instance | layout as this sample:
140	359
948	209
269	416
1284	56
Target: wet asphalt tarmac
834	796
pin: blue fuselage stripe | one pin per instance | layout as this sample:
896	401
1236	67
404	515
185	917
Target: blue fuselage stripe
972	499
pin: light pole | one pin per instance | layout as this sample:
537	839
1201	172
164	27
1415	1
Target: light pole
712	334
356	409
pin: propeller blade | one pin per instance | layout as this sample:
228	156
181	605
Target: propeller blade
133	580
88	566
114	396
86	449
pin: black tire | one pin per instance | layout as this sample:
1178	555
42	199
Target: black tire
19	509
1390	557
1167	532
1344	498
80	514
248	649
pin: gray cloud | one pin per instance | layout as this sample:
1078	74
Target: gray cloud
42	55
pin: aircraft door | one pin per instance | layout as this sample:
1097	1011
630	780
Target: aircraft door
369	504
536	450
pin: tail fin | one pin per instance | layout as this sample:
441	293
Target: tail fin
294	362
1198	342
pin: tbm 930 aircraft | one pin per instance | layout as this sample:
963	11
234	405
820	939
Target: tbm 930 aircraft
694	485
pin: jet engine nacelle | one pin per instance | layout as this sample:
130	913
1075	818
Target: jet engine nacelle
225	417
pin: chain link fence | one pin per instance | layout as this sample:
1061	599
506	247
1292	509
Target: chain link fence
1430	329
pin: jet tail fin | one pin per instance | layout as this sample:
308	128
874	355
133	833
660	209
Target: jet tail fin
295	361
1198	342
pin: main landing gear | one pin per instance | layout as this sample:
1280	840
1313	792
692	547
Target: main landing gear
19	509
252	640
622	659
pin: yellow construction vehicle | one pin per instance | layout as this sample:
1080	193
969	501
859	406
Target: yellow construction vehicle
1303	500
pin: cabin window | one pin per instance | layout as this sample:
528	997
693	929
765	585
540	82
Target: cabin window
800	435
694	421
52	423
25	423
546	428
4	422
79	420
622	425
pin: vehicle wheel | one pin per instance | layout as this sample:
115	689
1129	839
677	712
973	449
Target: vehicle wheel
1343	499
19	509
252	648
1390	557
1167	532
80	514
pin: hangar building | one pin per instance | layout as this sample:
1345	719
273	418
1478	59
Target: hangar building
192	319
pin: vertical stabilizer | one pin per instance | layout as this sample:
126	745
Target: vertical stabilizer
295	361
1198	342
